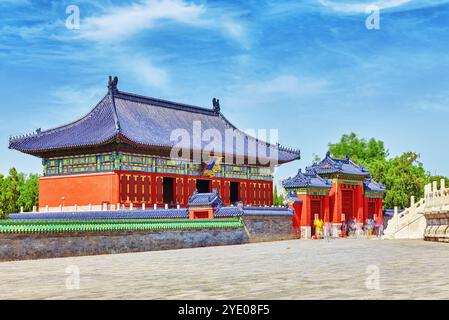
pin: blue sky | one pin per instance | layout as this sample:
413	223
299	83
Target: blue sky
309	68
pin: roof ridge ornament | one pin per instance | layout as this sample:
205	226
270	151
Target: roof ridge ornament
216	105
112	84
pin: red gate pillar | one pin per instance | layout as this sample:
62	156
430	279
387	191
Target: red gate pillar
338	204
359	202
379	209
327	217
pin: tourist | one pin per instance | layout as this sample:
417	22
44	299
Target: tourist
318	228
344	229
327	231
358	229
378	226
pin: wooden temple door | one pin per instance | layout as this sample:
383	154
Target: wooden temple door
315	209
159	192
192	187
347	204
179	183
242	191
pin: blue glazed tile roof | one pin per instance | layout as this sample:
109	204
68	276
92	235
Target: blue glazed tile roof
306	180
144	121
228	212
267	211
211	199
372	185
119	214
335	165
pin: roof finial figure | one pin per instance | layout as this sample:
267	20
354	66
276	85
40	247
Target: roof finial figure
347	157
112	84
328	154
216	105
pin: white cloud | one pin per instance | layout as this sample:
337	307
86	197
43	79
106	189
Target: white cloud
120	22
360	7
144	70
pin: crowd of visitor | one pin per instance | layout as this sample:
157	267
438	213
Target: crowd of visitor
350	228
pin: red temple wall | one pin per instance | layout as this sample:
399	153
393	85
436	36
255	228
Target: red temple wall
83	189
131	187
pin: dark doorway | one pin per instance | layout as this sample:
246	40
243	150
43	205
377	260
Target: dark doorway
347	205
168	191
234	192
203	186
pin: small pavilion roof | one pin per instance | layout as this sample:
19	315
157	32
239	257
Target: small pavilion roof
372	185
306	180
146	123
211	199
331	165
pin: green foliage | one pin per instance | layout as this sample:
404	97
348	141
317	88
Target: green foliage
361	151
17	190
403	175
278	199
28	191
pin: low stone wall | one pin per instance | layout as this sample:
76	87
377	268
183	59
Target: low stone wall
43	245
269	227
40	246
437	228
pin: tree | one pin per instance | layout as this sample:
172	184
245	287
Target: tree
275	195
29	191
361	151
18	190
11	191
404	176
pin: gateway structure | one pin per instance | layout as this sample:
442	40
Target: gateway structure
120	154
334	190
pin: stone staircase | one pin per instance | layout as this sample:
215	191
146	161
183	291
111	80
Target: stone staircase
426	219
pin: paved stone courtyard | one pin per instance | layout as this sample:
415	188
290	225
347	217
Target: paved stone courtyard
297	269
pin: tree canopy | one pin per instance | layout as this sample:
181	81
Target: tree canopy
18	190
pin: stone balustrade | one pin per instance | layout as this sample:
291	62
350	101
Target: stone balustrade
437	212
427	218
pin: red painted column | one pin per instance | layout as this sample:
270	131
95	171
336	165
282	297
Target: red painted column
270	198
186	190
379	209
305	212
297	208
338	204
365	209
159	190
226	193
327	217
359	203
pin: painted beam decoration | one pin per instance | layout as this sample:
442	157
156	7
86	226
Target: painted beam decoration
145	163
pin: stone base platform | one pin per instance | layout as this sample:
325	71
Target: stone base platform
437	226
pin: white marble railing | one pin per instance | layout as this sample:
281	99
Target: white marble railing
411	223
436	199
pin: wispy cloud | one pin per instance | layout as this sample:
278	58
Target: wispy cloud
360	7
121	22
145	71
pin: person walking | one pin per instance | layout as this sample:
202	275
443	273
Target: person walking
327	231
378	226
